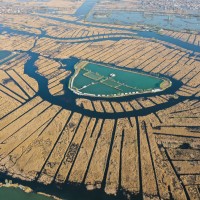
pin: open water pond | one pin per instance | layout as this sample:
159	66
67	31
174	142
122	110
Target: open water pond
18	194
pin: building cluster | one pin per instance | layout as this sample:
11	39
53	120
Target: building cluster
9	9
19	8
185	6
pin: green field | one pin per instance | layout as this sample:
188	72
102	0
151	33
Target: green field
93	76
100	80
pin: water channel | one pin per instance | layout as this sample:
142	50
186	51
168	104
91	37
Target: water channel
71	192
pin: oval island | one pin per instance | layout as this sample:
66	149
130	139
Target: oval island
100	80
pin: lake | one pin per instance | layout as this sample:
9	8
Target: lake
175	22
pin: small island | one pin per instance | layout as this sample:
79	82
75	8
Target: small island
99	80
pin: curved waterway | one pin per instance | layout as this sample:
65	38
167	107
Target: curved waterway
143	34
68	101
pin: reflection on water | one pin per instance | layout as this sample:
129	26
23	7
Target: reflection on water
175	22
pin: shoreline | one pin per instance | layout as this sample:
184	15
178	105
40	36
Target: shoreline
68	191
25	189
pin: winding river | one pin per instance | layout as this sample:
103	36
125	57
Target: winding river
68	101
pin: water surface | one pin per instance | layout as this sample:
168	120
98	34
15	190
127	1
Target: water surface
175	22
85	8
18	194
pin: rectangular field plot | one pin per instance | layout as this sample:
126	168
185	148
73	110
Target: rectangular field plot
93	76
100	89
